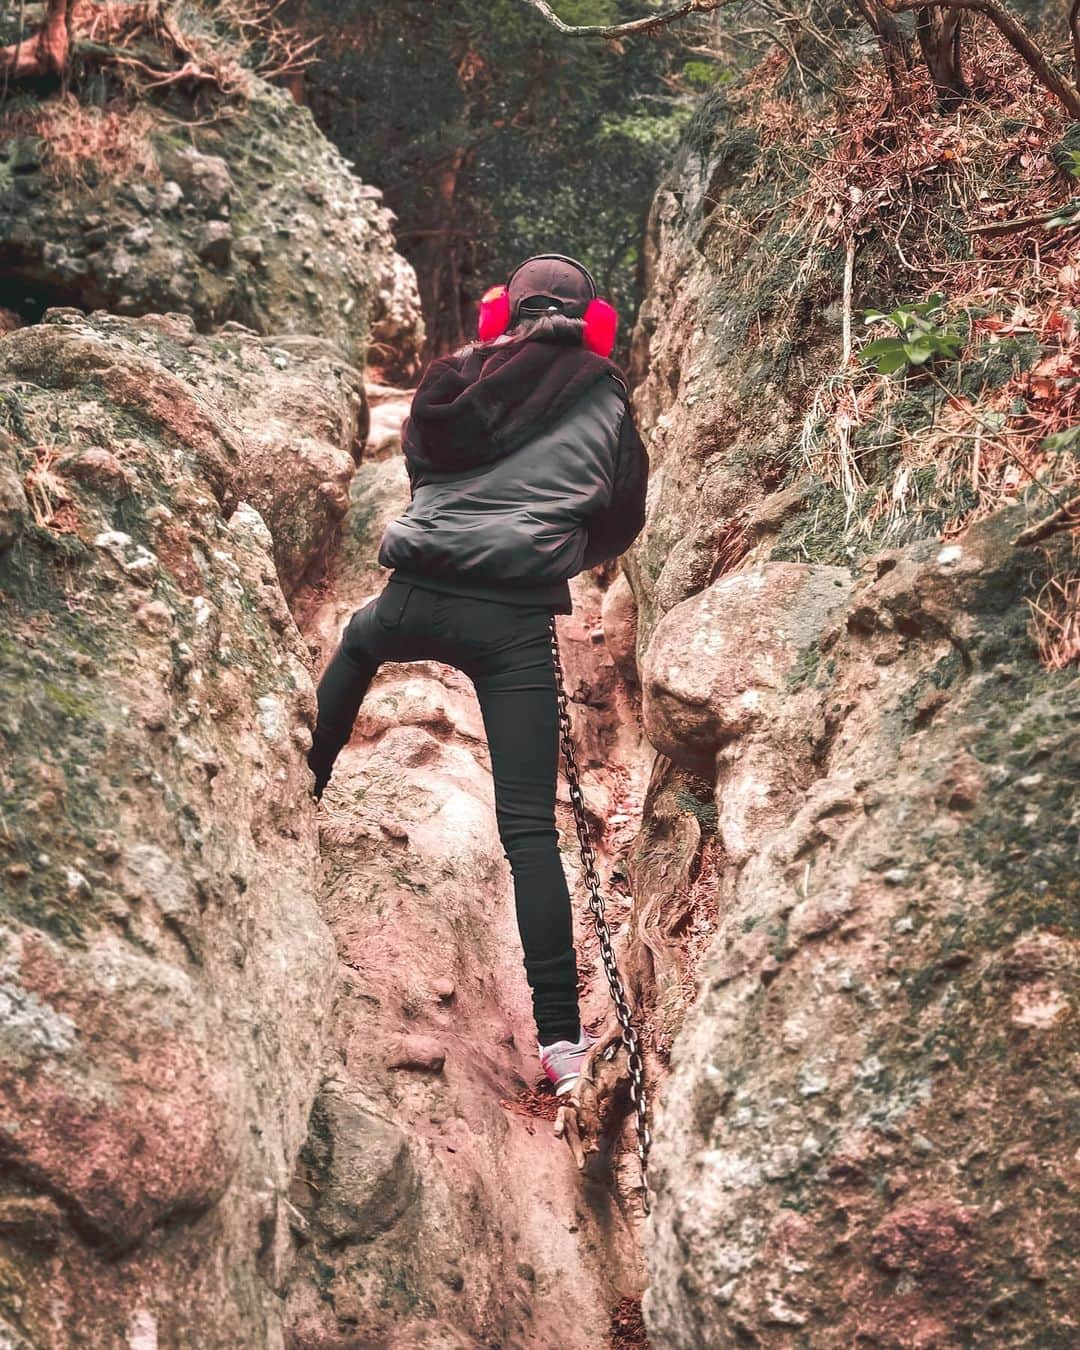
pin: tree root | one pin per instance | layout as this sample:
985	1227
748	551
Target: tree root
598	1102
44	52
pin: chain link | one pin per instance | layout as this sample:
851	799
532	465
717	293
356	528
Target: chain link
603	932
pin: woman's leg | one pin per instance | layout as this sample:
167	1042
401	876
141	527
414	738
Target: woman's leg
515	684
388	628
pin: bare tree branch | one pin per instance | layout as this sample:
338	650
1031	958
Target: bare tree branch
1066	517
1074	29
1015	34
634	26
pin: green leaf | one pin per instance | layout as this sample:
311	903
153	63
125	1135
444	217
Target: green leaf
891	362
881	347
918	353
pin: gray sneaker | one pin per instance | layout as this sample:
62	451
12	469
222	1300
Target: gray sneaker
562	1061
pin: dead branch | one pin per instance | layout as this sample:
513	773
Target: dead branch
630	29
996	227
1015	33
44	52
292	57
1066	517
189	71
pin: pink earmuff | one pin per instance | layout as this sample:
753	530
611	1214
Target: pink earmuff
494	313
601	320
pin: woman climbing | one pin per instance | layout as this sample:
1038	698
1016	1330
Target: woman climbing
525	467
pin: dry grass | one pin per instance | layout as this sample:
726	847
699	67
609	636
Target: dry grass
50	501
993	445
145	51
961	201
958	202
906	174
86	144
1055	619
146	47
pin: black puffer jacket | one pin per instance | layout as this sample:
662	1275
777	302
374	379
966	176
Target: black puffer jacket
525	467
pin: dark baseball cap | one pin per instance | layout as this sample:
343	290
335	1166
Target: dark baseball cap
550	277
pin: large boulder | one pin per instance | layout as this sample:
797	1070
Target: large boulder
719	662
289	411
724	690
251	215
164	971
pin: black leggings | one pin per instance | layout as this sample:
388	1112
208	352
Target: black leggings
505	650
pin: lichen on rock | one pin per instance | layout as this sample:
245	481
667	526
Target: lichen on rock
165	971
251	215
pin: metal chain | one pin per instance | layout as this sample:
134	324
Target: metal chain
596	906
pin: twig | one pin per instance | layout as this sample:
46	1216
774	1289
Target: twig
1066	517
1009	226
849	275
610	30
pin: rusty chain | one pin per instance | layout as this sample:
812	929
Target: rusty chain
603	932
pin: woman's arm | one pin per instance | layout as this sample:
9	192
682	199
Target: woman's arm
614	528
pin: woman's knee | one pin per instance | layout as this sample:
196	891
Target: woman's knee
523	840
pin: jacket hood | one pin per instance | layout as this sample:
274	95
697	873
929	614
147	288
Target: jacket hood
482	402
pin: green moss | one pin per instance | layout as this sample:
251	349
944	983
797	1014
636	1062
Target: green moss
819	533
804	670
704	808
68	702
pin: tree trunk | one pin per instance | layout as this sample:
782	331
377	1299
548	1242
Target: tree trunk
436	265
895	52
939	33
45	52
1018	36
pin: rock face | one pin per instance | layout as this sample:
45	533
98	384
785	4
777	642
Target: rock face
164	972
289	410
719	661
865	792
252	216
211	1130
861	1125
